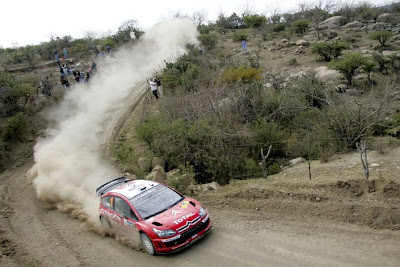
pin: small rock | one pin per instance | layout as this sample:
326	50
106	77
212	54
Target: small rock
297	161
375	165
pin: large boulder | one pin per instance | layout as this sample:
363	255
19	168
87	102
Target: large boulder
302	42
390	53
144	164
354	92
391	18
333	22
353	25
157	161
157	175
173	173
396	37
380	26
341	88
296	161
211	186
325	74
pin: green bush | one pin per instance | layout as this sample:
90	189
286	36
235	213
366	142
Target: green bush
270	134
183	182
368	67
31	79
240	36
300	26
348	65
381	37
382	62
209	40
14	128
323	50
279	27
254	21
203	29
6	80
329	51
337	48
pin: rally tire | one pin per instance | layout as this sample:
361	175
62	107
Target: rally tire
147	244
105	223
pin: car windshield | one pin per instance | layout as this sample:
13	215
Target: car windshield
155	200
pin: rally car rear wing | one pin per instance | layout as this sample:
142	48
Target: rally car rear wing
108	185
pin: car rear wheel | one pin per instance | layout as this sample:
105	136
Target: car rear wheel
105	223
147	244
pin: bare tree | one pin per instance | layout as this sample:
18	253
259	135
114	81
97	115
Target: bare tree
350	118
263	163
89	35
177	15
319	11
199	17
248	9
361	148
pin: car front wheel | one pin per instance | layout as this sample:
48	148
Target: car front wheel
147	244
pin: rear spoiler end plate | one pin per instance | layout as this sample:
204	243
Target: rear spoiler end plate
100	190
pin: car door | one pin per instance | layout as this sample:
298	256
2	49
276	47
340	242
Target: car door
127	225
107	210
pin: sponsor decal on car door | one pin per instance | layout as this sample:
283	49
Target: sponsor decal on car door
127	225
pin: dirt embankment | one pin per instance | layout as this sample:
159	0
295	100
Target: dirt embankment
338	192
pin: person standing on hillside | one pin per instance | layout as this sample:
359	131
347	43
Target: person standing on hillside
64	82
65	52
56	55
153	87
244	45
108	49
159	86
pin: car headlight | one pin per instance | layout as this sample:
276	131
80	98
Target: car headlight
202	212
164	233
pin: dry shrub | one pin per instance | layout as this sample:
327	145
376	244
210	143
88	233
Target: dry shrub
241	74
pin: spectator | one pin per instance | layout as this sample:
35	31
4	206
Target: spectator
159	86
64	82
108	49
65	52
56	55
244	45
153	87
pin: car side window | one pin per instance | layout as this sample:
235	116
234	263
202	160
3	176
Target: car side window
107	202
122	207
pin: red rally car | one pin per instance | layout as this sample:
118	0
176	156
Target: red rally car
161	218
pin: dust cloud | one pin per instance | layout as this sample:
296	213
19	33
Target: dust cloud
69	163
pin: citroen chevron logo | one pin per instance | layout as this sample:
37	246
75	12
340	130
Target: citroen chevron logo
176	213
188	224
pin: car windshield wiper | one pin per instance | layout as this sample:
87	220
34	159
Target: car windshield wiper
173	204
158	212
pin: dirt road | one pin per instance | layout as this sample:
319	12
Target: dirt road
33	233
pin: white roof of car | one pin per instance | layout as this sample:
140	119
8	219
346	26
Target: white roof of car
133	188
